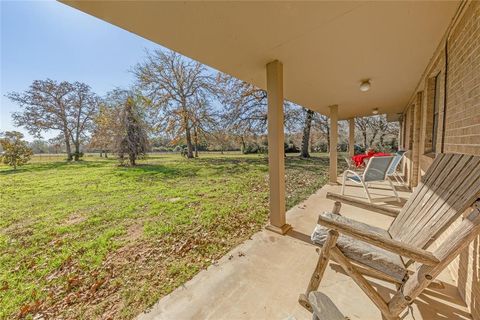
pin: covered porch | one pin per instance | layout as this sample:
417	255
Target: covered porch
261	279
318	55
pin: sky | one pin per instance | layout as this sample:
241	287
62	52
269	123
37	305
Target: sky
47	39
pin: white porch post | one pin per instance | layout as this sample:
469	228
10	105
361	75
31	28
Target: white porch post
400	134
333	144
276	161
351	137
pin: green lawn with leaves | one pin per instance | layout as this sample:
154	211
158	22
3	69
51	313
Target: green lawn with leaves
91	239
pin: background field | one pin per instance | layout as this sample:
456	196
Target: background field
91	239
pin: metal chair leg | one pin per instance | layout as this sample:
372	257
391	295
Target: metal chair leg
344	180
365	187
393	188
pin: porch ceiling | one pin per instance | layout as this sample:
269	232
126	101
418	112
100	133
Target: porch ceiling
327	48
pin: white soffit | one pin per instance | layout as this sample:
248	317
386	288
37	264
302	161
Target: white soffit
326	48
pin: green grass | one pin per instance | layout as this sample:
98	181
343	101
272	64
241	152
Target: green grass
91	239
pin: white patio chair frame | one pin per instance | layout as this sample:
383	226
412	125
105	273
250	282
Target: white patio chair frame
363	177
392	170
394	166
352	166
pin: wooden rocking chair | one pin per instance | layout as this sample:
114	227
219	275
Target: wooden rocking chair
450	187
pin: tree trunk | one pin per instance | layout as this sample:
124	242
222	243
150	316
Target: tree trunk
195	138
67	146
132	159
242	145
311	143
188	137
382	135
372	140
101	153
306	134
77	150
364	134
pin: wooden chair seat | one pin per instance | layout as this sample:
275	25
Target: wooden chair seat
364	253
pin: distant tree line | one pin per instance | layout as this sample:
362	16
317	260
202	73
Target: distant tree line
175	104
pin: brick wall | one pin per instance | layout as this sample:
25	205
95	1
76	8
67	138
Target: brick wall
462	124
463	106
462	129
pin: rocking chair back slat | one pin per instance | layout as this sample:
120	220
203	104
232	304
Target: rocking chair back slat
451	185
453	201
420	193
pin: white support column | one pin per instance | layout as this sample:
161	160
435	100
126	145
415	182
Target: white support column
400	134
351	137
276	138
416	140
333	144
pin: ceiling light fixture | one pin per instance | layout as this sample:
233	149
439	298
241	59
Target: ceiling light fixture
365	85
375	111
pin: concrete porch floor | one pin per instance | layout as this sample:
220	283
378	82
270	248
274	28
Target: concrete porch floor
262	278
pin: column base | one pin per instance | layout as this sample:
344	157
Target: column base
280	230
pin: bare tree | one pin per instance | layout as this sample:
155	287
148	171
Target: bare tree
374	129
84	108
362	125
204	120
380	128
245	108
61	106
322	124
174	86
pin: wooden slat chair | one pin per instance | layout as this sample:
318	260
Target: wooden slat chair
323	308
450	187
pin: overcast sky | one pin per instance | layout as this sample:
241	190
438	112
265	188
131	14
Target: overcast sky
47	39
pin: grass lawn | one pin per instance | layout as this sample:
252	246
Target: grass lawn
93	240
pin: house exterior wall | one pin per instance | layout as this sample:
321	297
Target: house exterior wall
461	49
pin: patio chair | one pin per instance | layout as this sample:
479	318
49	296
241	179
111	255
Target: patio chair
392	170
375	171
450	186
352	166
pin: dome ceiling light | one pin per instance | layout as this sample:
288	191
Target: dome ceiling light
365	85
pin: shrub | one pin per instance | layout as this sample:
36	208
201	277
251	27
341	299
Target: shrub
15	151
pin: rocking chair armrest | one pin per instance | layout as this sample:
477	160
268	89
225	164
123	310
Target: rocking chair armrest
361	231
